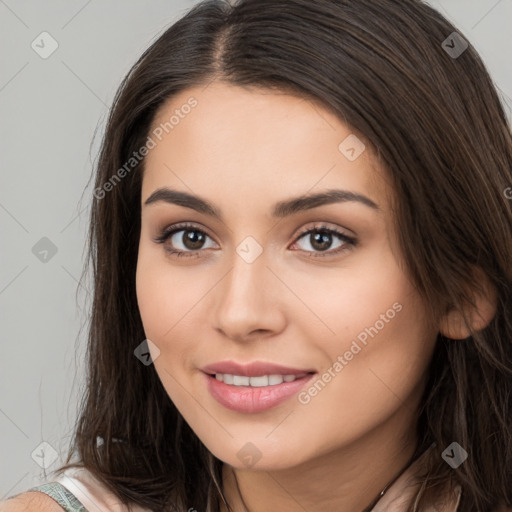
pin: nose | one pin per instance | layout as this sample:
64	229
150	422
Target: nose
249	300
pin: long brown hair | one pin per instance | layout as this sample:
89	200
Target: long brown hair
437	125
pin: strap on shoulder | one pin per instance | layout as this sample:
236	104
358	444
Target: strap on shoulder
63	496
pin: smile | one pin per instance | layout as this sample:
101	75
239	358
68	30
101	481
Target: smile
260	381
252	395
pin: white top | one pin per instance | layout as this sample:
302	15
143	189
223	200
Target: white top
93	494
398	498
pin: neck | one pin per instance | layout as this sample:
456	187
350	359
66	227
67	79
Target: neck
349	478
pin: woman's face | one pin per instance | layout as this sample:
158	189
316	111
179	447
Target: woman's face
257	284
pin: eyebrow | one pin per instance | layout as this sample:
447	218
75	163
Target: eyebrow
280	209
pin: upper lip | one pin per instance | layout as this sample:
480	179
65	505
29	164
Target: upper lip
254	369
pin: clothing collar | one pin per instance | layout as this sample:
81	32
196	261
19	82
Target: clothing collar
400	496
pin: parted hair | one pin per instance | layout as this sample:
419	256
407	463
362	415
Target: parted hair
436	123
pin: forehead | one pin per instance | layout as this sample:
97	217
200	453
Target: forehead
256	142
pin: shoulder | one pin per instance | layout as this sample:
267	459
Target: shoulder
31	500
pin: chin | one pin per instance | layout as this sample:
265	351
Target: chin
259	455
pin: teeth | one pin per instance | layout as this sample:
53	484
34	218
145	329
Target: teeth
240	380
257	382
276	379
228	379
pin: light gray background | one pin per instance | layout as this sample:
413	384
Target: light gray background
49	111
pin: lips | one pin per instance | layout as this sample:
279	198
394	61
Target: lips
253	399
254	369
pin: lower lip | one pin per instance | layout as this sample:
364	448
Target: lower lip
253	399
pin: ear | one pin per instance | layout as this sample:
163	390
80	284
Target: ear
485	300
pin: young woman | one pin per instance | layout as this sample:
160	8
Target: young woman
301	237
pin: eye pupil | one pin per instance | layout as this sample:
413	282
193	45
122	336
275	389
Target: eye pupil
193	239
321	240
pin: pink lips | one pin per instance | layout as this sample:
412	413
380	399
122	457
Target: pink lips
248	399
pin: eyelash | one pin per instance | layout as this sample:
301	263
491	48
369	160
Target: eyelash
166	233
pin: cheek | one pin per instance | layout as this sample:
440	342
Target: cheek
164	296
165	303
377	346
170	300
371	299
153	301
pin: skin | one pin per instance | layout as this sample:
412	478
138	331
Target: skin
244	149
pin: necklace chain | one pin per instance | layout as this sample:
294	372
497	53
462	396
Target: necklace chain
381	494
370	507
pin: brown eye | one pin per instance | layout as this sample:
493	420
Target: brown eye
187	240
321	239
192	239
183	240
